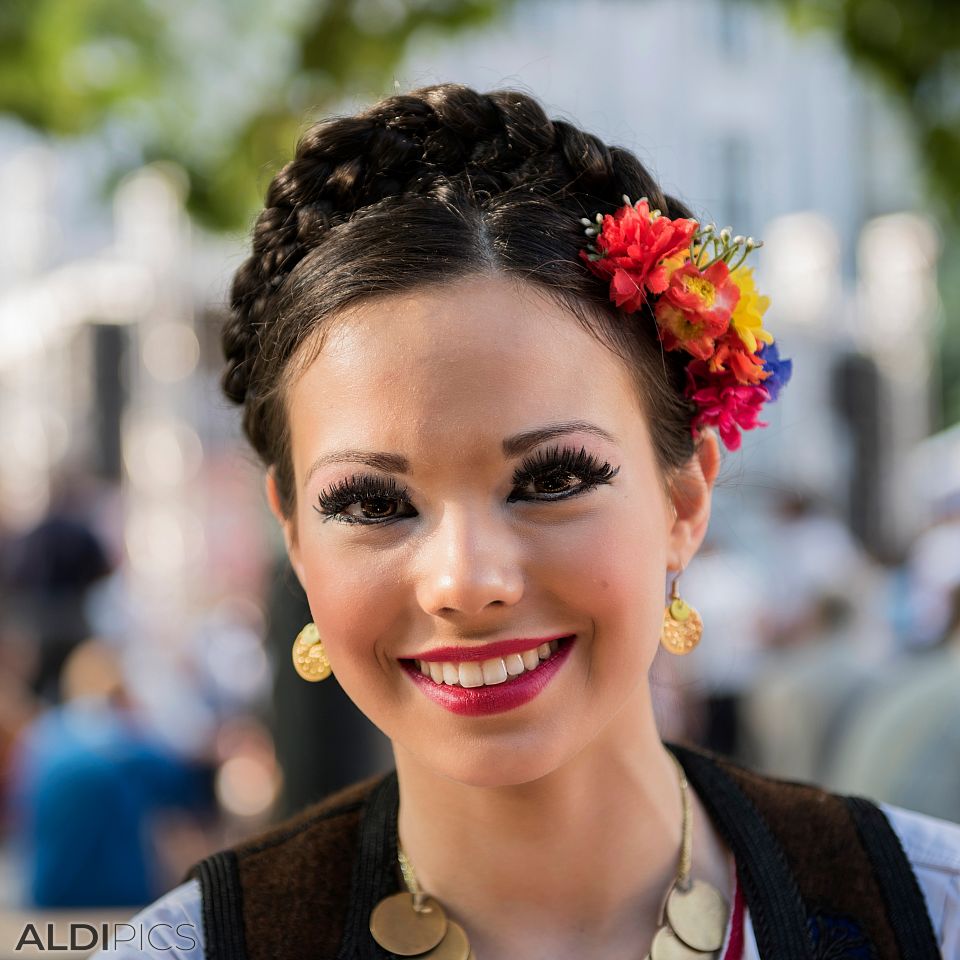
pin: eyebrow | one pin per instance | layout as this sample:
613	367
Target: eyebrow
513	447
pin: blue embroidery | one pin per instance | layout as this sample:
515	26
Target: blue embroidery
838	938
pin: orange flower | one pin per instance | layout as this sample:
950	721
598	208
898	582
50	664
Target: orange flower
731	354
695	308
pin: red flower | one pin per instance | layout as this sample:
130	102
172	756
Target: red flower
638	253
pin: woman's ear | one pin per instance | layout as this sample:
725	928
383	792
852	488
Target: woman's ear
288	526
691	492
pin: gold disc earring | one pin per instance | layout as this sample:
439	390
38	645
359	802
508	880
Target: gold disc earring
682	625
309	657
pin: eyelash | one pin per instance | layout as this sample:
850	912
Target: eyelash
556	462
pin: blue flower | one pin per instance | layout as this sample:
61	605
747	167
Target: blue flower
780	370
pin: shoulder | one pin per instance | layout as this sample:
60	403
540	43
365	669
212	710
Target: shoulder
242	886
170	927
328	823
933	848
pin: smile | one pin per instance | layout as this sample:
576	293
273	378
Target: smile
480	687
488	673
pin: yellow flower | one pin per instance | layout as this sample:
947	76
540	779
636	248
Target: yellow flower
747	318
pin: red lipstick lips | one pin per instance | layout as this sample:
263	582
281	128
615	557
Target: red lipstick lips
497	698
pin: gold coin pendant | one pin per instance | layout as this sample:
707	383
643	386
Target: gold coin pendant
667	946
453	946
698	916
309	657
681	636
400	929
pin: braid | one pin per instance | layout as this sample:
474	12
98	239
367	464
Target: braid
403	145
482	158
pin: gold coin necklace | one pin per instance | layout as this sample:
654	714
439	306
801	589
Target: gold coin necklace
692	920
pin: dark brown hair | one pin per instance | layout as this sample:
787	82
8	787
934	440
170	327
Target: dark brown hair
423	188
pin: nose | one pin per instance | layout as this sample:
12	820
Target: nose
469	563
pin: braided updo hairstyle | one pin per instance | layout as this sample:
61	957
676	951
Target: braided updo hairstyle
428	187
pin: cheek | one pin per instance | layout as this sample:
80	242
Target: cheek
355	604
615	575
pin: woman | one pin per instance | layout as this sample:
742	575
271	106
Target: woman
489	440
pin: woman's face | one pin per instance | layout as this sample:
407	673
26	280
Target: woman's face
481	537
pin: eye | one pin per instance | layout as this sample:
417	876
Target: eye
373	493
553	469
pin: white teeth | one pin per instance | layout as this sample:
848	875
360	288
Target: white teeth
530	659
451	675
473	673
514	664
494	671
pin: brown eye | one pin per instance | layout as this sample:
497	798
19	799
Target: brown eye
376	496
555	468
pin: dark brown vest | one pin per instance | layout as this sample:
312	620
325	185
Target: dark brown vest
824	876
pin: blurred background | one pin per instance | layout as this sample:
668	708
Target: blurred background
149	713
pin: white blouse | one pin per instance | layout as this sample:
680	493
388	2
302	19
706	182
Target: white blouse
171	928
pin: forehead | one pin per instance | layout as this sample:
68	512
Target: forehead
459	366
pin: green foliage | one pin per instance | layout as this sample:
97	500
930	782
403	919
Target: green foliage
913	48
180	80
64	64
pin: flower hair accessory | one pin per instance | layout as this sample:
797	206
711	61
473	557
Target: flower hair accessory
704	302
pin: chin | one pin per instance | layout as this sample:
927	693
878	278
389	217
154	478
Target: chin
482	764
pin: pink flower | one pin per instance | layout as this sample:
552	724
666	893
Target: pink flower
724	403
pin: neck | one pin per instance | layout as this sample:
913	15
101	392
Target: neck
582	856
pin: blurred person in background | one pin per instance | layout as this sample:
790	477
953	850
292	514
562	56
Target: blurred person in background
86	779
18	703
416	340
932	570
810	556
48	573
901	738
816	680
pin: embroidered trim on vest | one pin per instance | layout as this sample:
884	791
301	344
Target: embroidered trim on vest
222	899
902	895
776	907
372	879
292	878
